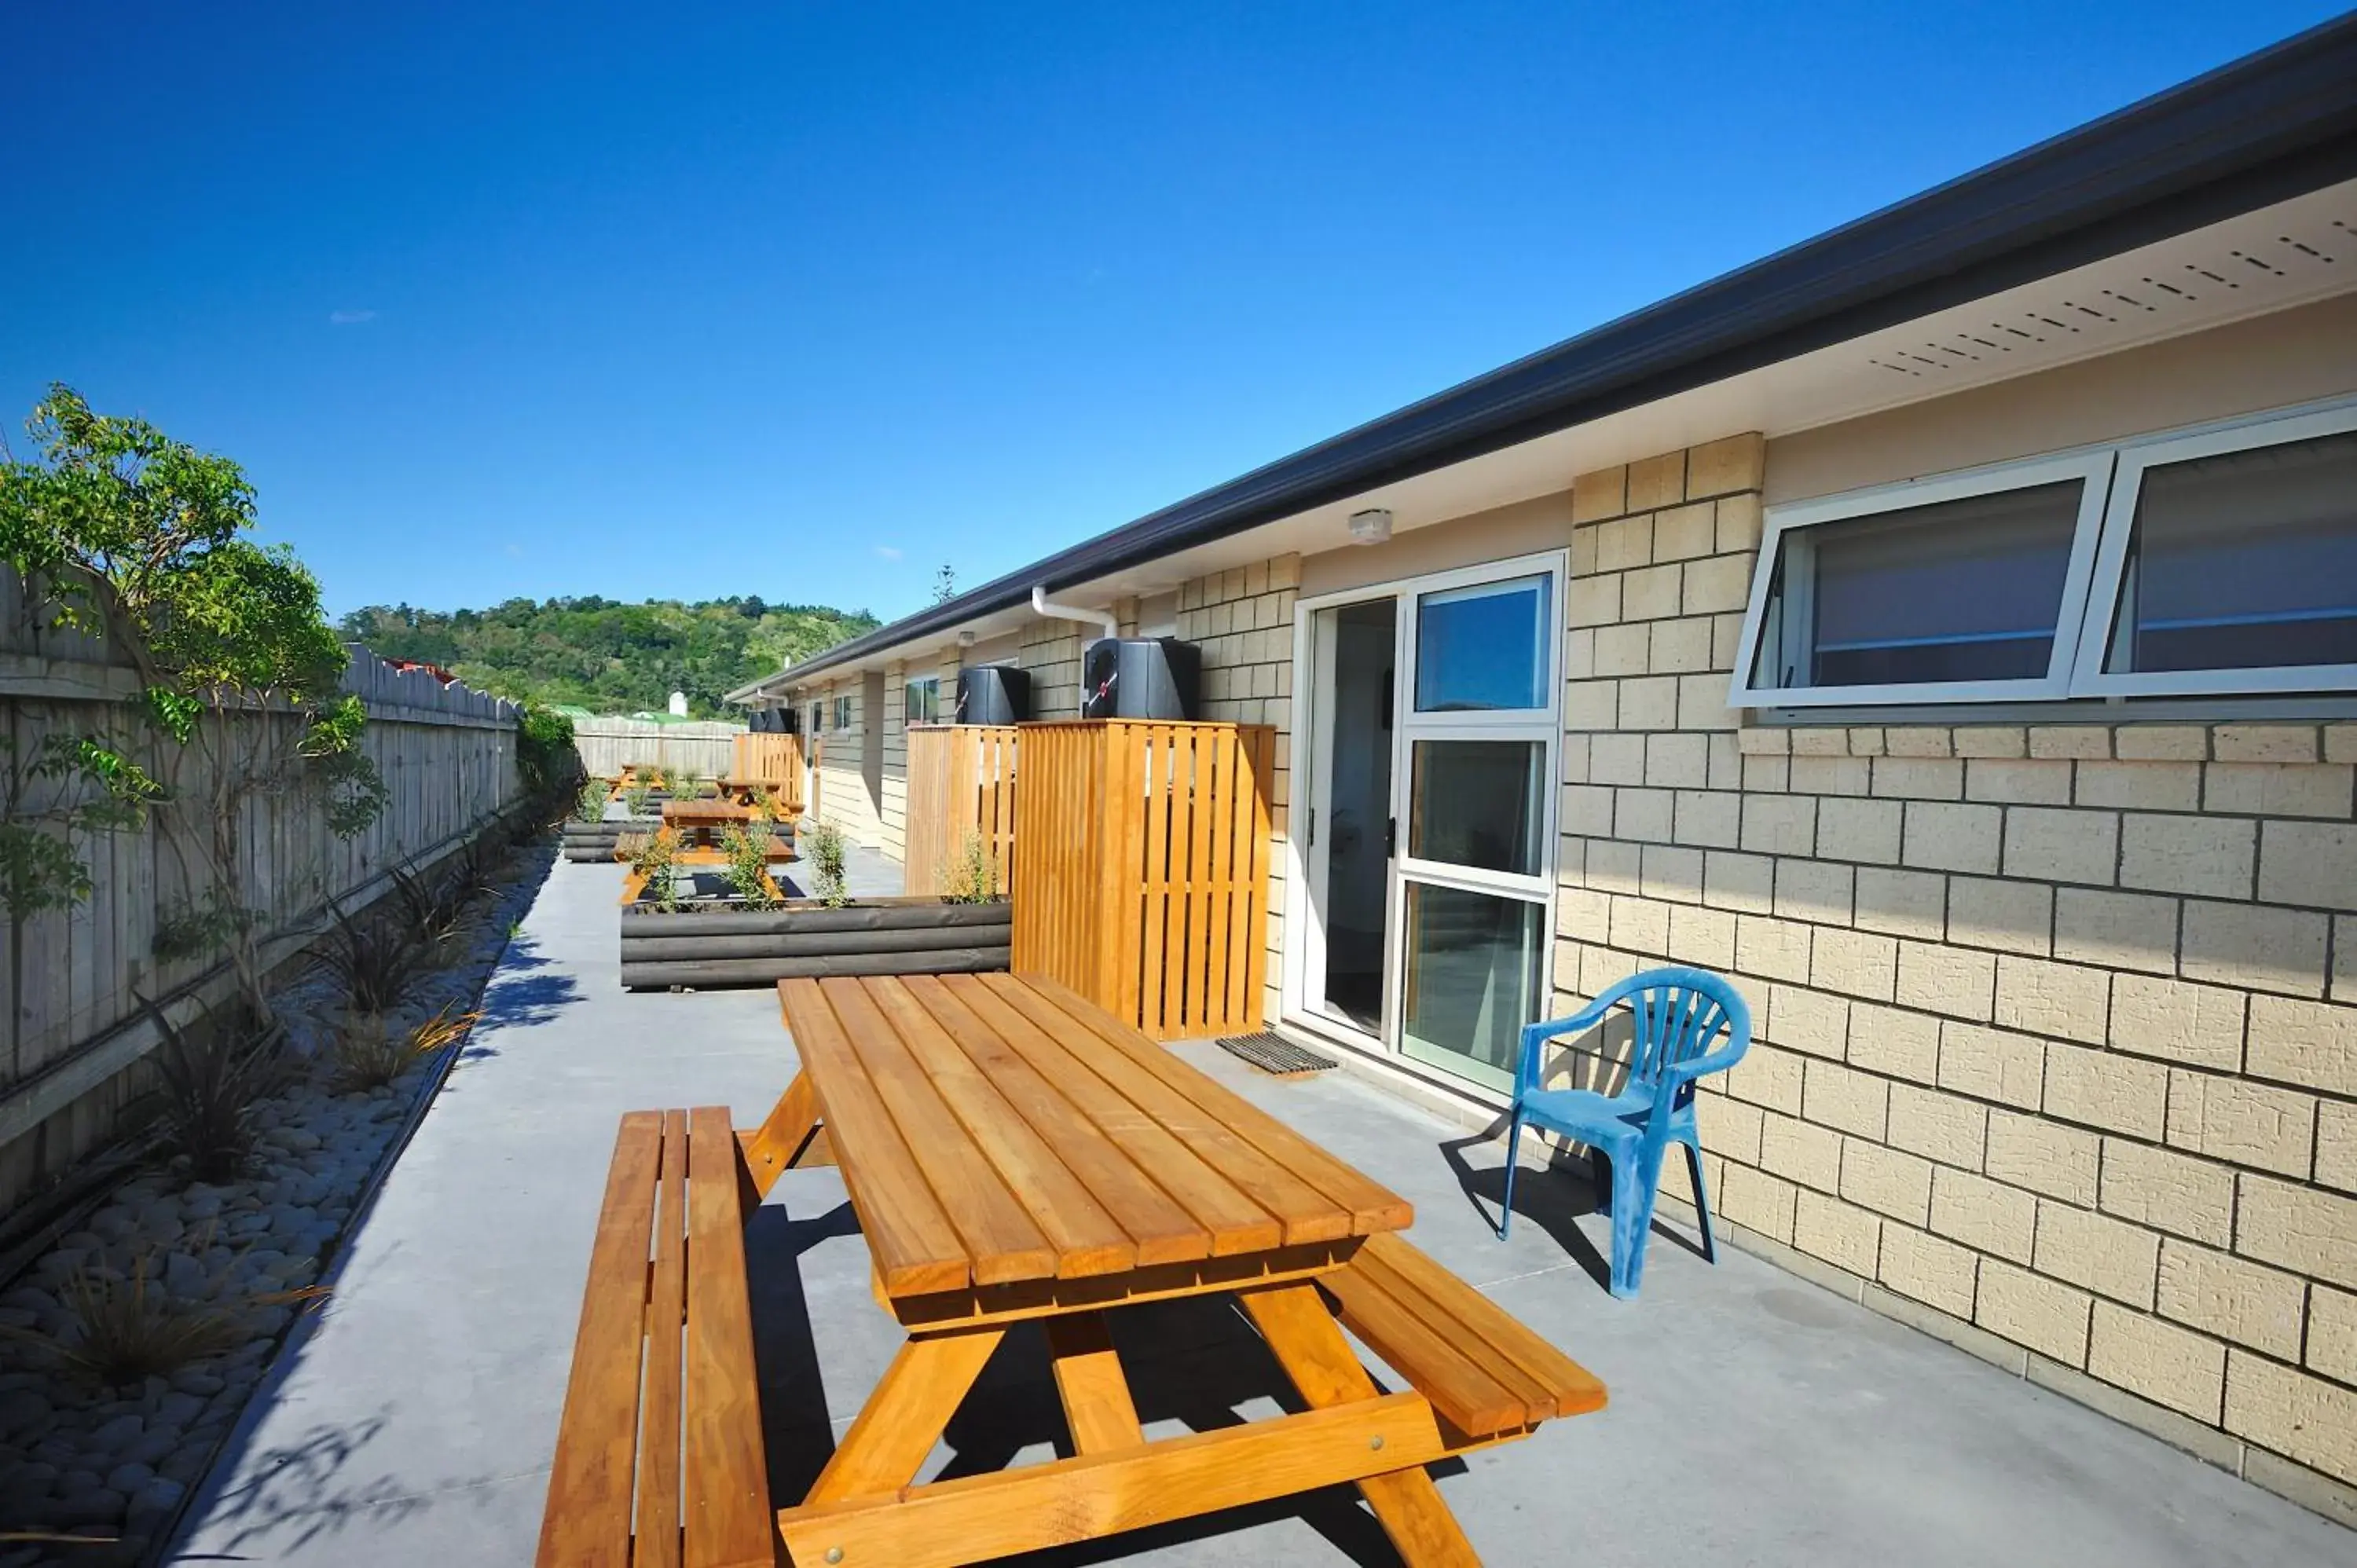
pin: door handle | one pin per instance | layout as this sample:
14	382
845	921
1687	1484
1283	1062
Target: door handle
1391	838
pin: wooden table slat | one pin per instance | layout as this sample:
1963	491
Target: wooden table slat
917	1248
1086	1238
1306	1214
1159	1227
1373	1207
589	1484
727	1503
1234	1223
659	1521
1002	1241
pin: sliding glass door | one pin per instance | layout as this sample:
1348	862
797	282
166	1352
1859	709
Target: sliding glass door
1475	871
1429	845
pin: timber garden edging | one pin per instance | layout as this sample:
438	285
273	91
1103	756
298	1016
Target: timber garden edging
910	935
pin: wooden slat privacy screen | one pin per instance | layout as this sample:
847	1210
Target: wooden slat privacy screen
766	755
960	780
1141	881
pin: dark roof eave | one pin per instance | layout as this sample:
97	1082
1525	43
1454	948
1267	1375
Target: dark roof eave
2259	130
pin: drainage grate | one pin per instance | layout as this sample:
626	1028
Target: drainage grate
1270	1053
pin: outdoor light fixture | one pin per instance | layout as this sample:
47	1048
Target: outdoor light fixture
1372	526
966	637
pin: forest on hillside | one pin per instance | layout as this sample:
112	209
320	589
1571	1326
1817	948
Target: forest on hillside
604	655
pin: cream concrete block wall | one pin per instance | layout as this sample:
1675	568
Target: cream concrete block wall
1242	621
1051	656
842	790
2056	1025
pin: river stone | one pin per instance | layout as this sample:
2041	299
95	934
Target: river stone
154	1446
21	1409
197	1383
183	1275
96	1506
129	1477
161	1495
116	1433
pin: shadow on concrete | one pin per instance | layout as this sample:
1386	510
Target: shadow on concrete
1196	1363
304	1491
1555	1196
523	1000
794	1427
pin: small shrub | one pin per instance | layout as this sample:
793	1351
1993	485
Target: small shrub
748	849
431	915
973	876
209	1091
589	805
656	862
367	1056
636	796
824	841
374	960
441	1030
126	1330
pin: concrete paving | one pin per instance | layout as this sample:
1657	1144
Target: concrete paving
1755	1419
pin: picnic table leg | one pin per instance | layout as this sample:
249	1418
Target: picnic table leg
905	1416
1309	1346
1097	1405
791	1135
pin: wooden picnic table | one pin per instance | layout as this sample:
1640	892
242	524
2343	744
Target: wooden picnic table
749	791
1015	1153
699	822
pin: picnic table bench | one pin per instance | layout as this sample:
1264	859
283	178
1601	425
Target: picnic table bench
1014	1153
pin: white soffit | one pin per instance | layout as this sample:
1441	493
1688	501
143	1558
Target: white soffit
2289	254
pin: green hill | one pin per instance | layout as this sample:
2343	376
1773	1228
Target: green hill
604	655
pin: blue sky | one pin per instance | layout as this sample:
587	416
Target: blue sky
803	299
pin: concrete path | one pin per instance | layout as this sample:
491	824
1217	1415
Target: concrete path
1755	1419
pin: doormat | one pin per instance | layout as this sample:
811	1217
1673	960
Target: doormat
1271	1055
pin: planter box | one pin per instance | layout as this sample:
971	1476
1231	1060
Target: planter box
595	841
707	949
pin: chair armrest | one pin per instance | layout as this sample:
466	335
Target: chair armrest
1725	1056
1527	1062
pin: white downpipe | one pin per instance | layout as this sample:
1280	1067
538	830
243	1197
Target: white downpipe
1043	606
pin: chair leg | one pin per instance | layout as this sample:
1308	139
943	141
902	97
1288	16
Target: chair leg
1632	1222
1506	1204
1702	1202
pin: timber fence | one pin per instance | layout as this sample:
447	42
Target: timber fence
73	1037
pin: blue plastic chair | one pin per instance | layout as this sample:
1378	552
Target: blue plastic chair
1677	1013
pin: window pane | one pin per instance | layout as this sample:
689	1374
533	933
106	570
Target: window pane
2245	561
1960	590
1477	803
1481	648
1471	981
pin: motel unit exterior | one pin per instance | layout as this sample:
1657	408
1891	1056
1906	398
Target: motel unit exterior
1946	626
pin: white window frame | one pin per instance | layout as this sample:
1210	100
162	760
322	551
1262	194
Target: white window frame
2092	468
840	718
2135	459
931	683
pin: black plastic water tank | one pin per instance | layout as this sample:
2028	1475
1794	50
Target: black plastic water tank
1140	678
993	694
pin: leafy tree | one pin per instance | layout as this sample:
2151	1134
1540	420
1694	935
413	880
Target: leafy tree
606	655
945	584
127	536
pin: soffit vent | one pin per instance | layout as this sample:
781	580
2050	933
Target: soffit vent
2271	260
